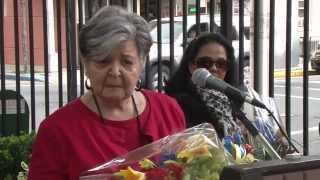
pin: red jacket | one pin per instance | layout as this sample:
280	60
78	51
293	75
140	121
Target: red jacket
73	139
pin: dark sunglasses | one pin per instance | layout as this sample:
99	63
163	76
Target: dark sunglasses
208	62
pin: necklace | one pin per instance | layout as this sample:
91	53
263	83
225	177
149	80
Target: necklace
134	106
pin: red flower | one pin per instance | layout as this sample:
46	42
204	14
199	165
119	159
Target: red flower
174	170
248	148
157	174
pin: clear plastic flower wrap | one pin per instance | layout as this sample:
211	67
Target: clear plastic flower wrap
195	153
268	126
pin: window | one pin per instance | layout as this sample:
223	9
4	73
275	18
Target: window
165	31
301	13
301	9
301	4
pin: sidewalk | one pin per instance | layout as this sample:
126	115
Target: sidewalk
53	76
25	76
40	77
295	72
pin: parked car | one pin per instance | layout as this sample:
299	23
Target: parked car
315	59
178	43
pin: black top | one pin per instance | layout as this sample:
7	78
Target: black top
195	110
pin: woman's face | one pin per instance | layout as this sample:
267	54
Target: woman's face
115	77
213	57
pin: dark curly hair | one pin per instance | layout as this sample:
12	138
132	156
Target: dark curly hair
180	81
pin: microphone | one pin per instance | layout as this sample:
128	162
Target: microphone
204	79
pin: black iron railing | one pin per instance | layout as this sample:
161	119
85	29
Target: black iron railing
68	60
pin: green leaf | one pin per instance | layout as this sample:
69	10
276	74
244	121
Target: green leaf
146	164
14	150
24	166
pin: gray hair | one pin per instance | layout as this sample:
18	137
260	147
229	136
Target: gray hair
108	28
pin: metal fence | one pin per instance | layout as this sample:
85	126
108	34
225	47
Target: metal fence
70	15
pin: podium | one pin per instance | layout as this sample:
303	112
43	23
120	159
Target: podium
298	168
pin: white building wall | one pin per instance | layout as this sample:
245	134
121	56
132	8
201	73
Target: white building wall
314	20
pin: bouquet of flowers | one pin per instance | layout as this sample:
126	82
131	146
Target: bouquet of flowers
195	153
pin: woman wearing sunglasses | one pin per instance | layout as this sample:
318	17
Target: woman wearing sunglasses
213	52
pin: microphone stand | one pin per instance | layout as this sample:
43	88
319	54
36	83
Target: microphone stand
255	133
282	131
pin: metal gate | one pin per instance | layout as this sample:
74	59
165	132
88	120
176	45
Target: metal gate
39	57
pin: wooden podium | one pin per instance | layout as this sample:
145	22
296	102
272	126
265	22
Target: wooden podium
297	168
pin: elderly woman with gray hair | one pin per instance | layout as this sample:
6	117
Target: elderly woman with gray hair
114	116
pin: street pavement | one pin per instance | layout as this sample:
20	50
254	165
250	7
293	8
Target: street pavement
297	110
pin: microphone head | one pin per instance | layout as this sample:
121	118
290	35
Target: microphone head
200	76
